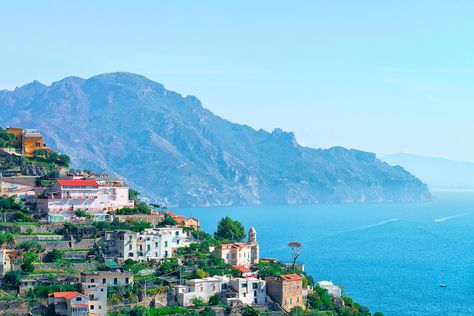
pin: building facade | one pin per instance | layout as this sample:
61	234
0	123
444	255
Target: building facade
5	262
66	196
286	290
108	278
69	303
201	289
241	254
97	294
243	291
151	244
27	140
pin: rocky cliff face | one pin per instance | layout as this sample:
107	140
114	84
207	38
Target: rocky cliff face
172	148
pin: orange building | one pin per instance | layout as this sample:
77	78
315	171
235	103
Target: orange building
27	140
286	290
182	221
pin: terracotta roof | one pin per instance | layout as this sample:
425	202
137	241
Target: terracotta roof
89	183
66	295
291	277
242	269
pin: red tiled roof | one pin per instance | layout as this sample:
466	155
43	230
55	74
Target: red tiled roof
292	277
242	269
66	295
89	183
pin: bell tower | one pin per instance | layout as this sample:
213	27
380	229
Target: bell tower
252	235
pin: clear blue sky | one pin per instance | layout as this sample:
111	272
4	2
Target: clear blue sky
383	76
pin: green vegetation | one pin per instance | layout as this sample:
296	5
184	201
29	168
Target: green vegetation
9	204
81	213
151	311
6	139
229	229
28	259
42	155
30	245
136	226
169	221
44	290
6	238
47	179
11	280
140	208
53	256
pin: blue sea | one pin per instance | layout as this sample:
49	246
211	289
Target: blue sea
389	257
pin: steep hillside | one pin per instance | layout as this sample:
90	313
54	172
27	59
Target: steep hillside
173	149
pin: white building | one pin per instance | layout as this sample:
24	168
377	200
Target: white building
97	197
151	244
246	291
197	288
5	263
97	294
333	290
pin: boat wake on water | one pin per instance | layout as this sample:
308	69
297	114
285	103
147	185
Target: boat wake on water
447	218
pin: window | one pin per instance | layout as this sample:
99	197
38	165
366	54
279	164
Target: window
100	306
38	144
78	299
115	281
298	299
244	285
130	247
104	281
177	233
92	280
156	245
255	293
291	301
126	280
148	247
255	286
92	307
245	294
91	296
166	244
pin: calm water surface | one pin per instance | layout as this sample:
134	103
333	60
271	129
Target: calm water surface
389	257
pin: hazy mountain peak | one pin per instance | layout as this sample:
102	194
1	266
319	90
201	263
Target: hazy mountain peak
171	148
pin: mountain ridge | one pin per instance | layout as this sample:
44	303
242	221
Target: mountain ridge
172	148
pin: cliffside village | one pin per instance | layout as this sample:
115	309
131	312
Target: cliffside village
94	249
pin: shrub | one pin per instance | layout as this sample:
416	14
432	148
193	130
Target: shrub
30	245
53	255
81	213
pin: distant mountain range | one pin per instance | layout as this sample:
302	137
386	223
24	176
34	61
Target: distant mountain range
438	173
171	148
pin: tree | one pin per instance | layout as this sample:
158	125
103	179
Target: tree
28	259
296	247
53	255
216	300
230	229
169	221
11	279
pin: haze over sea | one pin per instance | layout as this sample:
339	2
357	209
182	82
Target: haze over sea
389	257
